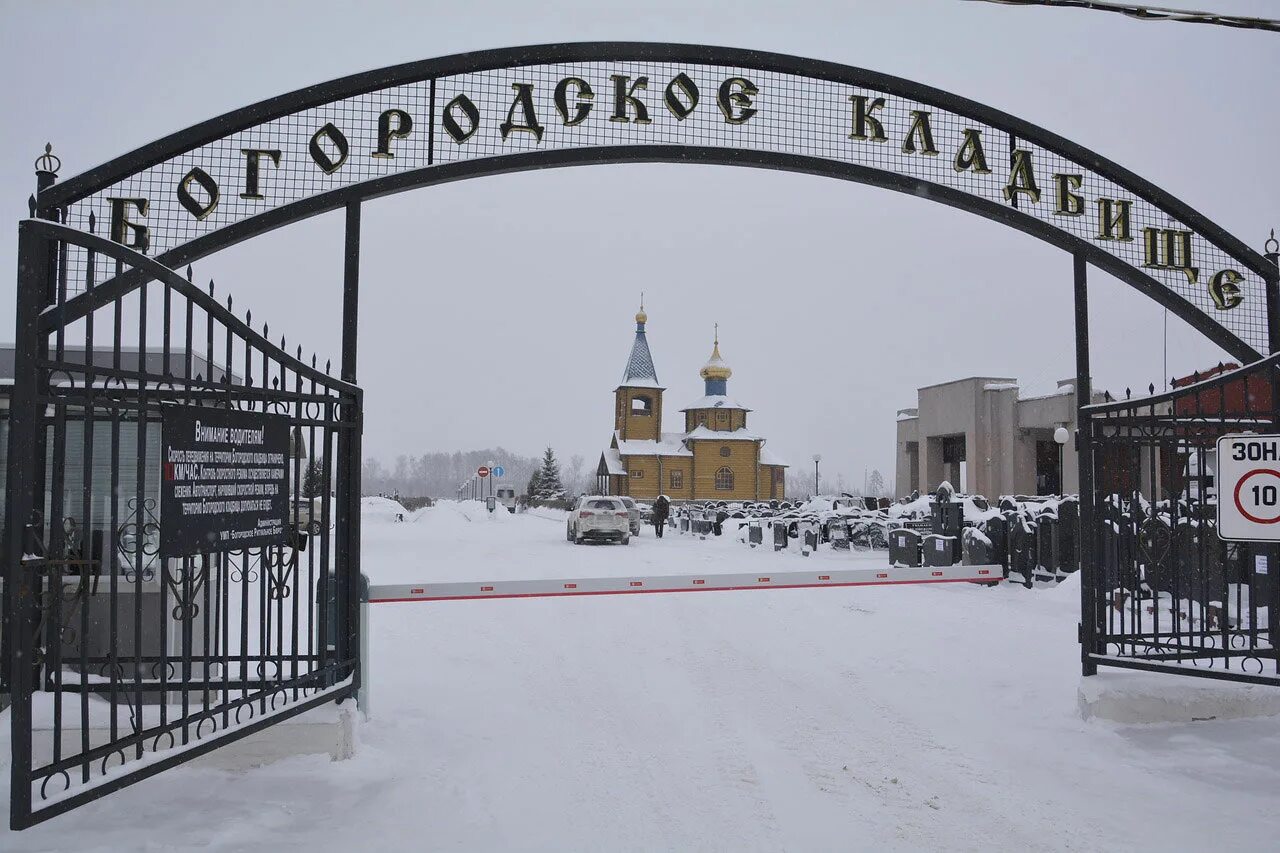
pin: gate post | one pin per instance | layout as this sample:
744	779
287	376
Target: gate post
20	589
349	455
1084	460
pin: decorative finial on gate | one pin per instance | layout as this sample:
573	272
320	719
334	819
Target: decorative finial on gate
93	221
48	163
31	206
1273	245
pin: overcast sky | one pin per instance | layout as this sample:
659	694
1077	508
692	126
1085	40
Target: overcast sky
835	301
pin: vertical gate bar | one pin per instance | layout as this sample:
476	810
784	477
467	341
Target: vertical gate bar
297	567
54	554
140	508
326	515
1272	254
354	431
206	573
86	511
1084	461
351	292
347	540
21	476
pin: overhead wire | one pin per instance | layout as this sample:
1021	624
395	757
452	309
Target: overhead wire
1153	13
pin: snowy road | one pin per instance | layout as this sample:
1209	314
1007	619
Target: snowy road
910	718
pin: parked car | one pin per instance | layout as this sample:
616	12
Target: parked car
507	497
599	517
633	514
306	515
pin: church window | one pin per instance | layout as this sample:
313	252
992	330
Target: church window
724	480
677	479
722	417
637	474
641	405
724	451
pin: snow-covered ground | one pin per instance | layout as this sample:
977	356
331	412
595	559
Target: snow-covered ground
881	718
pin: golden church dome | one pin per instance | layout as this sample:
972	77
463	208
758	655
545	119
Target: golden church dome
715	368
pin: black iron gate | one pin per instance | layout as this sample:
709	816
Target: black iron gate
1162	591
123	662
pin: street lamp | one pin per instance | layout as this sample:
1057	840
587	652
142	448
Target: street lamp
490	477
1060	435
817	457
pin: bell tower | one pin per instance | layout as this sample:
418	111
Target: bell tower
638	398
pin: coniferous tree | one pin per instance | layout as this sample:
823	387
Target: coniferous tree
549	487
313	480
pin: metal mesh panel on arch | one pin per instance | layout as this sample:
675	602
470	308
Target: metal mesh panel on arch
429	123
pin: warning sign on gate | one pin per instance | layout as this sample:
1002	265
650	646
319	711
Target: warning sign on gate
1249	488
225	480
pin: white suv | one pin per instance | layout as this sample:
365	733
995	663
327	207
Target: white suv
598	517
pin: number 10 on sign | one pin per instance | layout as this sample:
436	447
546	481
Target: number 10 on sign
1249	488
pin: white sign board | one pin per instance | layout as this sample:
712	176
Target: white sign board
1249	488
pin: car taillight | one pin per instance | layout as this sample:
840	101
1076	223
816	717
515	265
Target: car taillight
586	513
621	514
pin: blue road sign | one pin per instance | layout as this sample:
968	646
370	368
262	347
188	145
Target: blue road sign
498	470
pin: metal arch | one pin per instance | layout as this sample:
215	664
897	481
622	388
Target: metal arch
108	173
277	217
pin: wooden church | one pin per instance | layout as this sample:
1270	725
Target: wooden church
715	457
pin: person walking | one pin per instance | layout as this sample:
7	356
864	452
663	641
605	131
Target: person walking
661	509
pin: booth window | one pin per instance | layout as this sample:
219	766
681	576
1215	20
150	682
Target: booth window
637	474
724	480
641	405
677	479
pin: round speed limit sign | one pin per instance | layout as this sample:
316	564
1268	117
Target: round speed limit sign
1249	488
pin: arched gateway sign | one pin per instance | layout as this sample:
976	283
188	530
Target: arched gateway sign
484	113
168	525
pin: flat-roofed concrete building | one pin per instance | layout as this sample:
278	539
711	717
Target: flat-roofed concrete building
983	437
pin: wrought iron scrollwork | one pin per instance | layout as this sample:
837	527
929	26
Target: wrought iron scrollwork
139	533
185	582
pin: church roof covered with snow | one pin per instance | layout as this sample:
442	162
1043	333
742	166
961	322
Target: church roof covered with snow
715	401
640	372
